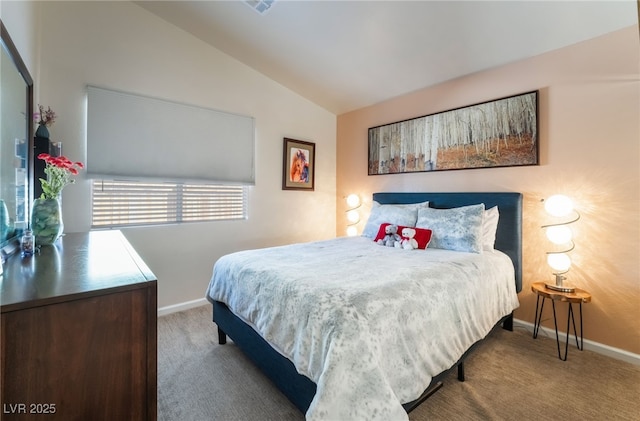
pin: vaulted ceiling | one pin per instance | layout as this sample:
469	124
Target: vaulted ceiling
345	55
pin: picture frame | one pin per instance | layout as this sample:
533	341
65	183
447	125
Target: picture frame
298	165
498	133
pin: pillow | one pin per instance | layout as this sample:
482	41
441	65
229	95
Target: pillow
423	236
489	228
405	215
414	205
458	229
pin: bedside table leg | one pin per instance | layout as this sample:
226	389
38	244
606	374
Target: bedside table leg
570	319
581	347
555	324
575	332
538	317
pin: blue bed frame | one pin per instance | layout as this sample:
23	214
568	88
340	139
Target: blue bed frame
299	389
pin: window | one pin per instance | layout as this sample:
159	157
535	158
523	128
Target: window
134	203
133	137
143	140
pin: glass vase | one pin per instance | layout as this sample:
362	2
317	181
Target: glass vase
42	131
46	221
27	243
5	222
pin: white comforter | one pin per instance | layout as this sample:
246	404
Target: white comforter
370	325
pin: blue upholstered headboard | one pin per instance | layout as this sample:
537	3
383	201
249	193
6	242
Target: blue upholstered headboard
509	234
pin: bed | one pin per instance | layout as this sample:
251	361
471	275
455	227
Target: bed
349	329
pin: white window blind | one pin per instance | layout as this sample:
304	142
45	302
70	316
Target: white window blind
125	203
136	137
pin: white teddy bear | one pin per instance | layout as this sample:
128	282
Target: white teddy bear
408	242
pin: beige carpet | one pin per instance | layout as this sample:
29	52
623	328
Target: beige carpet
510	376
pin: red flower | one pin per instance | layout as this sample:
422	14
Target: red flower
59	170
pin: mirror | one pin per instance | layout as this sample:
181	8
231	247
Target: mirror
16	126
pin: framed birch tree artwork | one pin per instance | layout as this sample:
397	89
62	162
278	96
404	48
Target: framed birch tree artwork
498	133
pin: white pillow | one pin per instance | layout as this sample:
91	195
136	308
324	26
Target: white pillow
458	229
489	228
405	215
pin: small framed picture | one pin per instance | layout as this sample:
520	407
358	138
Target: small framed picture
298	171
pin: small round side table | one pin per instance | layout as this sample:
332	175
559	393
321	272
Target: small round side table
578	296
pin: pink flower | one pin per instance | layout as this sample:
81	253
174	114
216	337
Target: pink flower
44	117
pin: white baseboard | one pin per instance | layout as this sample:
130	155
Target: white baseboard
163	311
607	350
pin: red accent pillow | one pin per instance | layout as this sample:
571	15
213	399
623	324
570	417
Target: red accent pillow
423	235
382	231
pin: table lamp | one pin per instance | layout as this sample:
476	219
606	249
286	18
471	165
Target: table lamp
353	216
560	206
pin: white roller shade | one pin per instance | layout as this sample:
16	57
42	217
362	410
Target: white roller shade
136	137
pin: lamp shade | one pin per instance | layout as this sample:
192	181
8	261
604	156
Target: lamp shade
353	216
353	200
559	234
559	261
558	205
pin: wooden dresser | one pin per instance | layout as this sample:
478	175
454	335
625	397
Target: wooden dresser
79	332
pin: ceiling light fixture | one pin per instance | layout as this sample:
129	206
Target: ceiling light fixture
260	6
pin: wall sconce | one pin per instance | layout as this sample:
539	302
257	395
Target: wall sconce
353	216
560	206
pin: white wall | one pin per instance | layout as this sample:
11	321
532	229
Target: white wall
20	17
121	46
589	131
